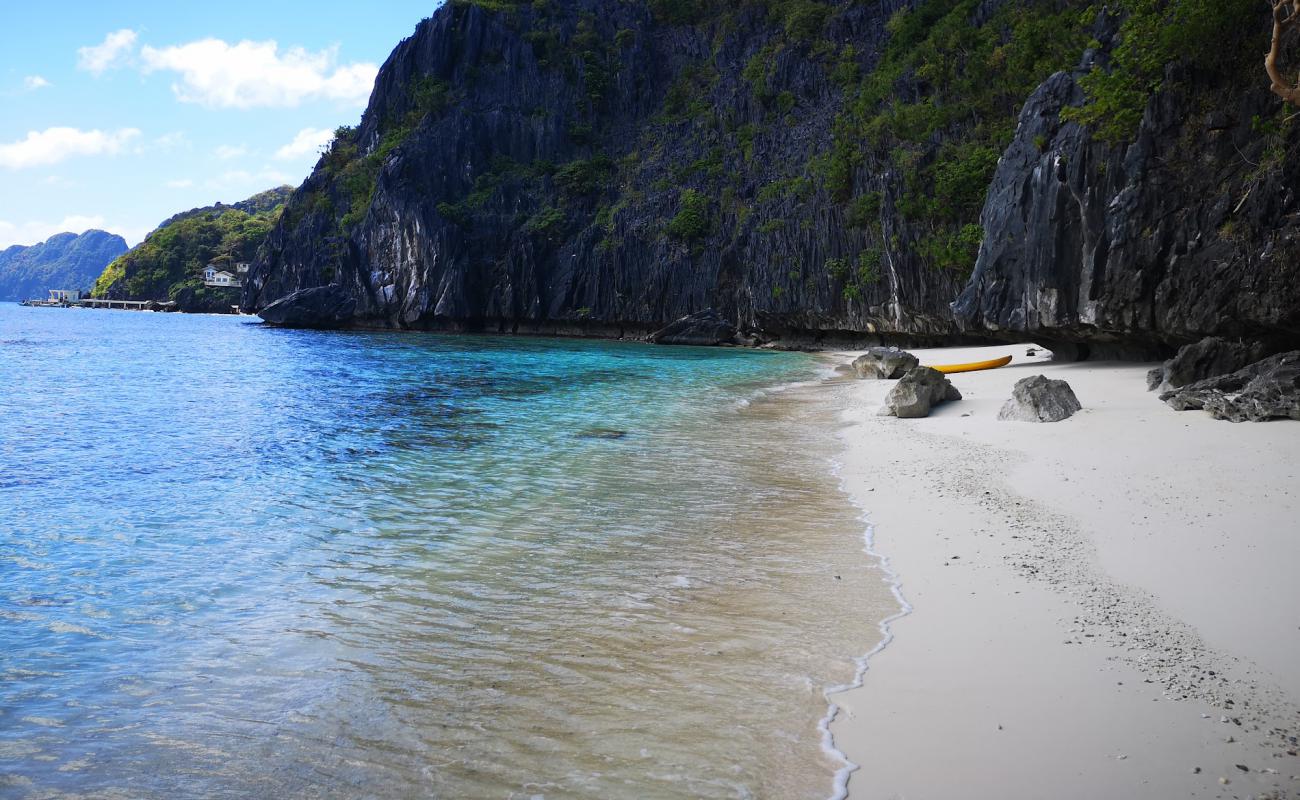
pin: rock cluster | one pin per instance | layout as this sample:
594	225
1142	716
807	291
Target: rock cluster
1267	389
703	328
321	307
884	363
1040	399
920	389
1208	358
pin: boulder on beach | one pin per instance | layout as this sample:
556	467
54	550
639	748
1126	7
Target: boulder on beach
920	389
1040	399
319	307
1267	389
884	363
703	328
1208	358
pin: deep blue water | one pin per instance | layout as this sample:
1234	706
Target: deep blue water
239	561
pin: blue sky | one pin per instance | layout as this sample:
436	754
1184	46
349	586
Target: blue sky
118	114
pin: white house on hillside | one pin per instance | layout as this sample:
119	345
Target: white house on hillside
216	276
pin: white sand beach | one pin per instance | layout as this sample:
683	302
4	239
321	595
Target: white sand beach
1104	607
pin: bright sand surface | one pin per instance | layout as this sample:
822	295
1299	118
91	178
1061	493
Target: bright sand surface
1099	606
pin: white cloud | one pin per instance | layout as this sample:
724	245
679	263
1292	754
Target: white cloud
309	141
180	183
113	52
33	82
228	151
170	141
53	145
217	74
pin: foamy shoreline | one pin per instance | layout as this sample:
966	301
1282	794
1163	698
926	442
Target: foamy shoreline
1102	607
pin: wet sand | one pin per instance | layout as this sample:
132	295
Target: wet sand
1101	607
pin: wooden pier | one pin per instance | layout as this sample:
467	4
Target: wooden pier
129	305
94	302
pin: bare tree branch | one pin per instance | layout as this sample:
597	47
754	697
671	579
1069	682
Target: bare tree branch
1286	15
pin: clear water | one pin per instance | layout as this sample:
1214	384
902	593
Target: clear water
245	562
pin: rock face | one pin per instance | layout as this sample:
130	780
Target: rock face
1267	389
1135	248
584	166
1208	358
1040	399
919	391
64	261
705	328
321	307
886	363
546	153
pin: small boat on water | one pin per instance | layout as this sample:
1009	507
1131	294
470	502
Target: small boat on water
973	366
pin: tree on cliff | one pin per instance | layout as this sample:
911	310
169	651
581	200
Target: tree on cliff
1286	15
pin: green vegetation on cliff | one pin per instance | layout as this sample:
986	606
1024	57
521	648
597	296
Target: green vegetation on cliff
173	257
64	261
1210	36
941	105
797	164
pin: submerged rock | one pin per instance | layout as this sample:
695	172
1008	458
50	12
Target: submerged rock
319	307
1208	358
1267	389
601	433
920	389
703	328
1040	399
888	363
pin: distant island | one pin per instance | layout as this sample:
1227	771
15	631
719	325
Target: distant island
68	261
194	259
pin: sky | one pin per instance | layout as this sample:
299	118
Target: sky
117	114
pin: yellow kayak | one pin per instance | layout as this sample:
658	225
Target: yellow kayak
973	366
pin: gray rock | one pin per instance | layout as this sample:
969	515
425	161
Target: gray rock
889	363
920	389
1085	239
1040	399
319	307
1208	358
1267	389
704	328
1155	377
601	433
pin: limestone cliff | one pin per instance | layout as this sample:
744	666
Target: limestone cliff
806	168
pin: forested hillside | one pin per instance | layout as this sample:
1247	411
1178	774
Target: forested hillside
64	261
169	263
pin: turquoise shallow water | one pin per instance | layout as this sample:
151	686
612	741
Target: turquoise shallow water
238	561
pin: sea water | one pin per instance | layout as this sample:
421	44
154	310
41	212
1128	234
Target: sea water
238	561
